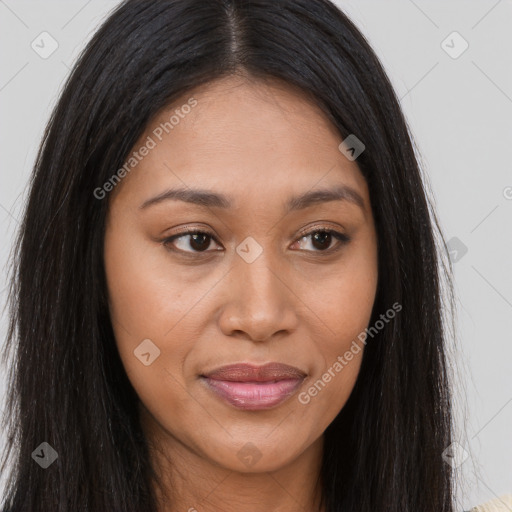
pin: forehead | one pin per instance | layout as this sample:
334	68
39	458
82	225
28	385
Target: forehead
264	119
237	134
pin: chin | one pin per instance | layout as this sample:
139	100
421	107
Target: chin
254	457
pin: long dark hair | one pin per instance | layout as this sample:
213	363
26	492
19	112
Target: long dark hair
67	385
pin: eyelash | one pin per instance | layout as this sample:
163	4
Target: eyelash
340	237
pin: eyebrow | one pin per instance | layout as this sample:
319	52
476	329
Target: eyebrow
209	199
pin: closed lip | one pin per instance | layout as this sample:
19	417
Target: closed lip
250	387
247	372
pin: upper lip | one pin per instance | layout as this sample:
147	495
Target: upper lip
244	372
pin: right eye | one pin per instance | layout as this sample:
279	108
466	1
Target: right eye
198	241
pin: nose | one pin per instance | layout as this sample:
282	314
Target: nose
261	303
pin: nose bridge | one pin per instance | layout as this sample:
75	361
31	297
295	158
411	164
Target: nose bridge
259	285
260	303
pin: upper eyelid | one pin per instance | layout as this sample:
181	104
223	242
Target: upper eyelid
303	232
318	226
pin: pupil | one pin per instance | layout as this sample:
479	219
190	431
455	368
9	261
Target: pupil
202	238
322	236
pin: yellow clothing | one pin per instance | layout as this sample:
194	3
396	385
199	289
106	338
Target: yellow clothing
501	504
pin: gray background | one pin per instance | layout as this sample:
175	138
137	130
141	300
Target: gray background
460	113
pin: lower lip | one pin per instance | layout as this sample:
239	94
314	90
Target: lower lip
254	396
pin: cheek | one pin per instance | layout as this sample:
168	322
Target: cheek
139	309
344	297
146	315
147	297
150	299
337	352
345	304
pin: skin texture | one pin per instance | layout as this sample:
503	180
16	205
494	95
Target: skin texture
258	143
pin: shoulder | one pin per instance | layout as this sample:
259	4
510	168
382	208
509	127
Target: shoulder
500	504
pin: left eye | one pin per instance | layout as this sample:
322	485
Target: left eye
321	240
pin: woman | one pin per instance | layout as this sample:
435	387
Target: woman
226	291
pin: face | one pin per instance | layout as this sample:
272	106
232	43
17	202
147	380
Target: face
262	266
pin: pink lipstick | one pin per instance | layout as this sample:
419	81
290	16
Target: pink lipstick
252	387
